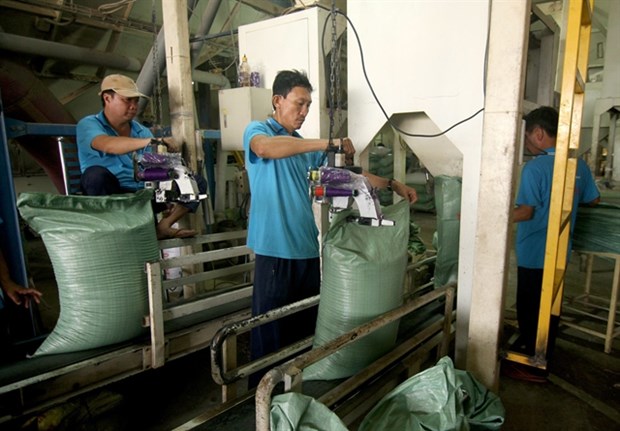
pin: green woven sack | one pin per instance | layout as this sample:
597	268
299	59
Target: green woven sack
448	203
98	247
597	229
293	411
437	399
363	273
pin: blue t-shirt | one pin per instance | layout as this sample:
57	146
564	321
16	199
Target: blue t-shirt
535	191
121	165
281	219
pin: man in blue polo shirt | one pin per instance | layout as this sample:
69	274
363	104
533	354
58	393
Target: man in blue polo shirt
107	142
282	231
532	214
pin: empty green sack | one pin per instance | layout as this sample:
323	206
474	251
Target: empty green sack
293	411
98	246
437	399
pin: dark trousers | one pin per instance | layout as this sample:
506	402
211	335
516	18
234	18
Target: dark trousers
99	181
529	289
278	282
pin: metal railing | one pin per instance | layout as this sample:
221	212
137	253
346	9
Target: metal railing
291	371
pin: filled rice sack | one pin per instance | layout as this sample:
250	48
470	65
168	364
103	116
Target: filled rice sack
363	275
98	246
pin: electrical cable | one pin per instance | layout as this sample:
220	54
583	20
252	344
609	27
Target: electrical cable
370	87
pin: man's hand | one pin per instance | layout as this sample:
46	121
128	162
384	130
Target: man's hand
522	213
408	193
171	144
347	146
20	295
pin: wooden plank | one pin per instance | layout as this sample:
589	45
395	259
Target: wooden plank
156	318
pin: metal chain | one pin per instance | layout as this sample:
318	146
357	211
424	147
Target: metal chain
338	86
157	103
332	74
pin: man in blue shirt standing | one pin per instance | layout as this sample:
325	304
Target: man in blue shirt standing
532	214
107	143
282	231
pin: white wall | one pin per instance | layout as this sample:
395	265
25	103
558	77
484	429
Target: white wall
421	56
425	58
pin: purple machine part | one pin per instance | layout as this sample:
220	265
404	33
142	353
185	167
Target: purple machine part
335	176
154	174
155	160
331	192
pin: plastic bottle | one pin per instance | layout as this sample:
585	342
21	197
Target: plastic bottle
244	73
340	161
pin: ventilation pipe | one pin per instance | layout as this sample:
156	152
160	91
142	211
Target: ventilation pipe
205	25
45	48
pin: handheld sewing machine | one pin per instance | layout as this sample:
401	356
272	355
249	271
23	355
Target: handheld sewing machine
340	187
168	176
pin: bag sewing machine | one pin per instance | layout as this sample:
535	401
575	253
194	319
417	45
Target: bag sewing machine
168	176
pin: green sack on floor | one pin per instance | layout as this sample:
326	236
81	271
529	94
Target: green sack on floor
437	399
98	247
297	412
363	274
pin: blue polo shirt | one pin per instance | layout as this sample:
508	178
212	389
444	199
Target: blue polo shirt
281	219
535	191
121	165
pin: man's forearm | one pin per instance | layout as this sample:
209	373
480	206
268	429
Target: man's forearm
119	144
522	213
279	147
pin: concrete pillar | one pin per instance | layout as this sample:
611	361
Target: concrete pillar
181	101
502	120
179	74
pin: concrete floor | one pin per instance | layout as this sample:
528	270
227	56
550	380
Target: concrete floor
582	392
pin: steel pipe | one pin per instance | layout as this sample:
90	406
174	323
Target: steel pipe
28	45
223	377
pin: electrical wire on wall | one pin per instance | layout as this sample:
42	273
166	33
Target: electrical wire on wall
361	50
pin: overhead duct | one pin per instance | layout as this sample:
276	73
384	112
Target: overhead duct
45	48
206	22
210	78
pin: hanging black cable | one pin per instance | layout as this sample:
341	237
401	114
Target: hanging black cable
374	95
